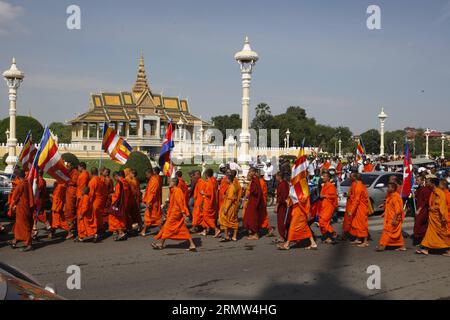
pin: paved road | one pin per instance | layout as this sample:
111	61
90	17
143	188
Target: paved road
242	270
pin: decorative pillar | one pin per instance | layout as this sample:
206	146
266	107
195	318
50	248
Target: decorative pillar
288	134
443	146
340	148
427	143
382	116
13	78
395	149
246	59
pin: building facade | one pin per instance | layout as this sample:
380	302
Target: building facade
140	116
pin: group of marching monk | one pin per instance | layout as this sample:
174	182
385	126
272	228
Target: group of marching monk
93	203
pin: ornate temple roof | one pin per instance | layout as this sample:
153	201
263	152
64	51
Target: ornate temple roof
127	106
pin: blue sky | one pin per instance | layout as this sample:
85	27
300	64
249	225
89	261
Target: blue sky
315	54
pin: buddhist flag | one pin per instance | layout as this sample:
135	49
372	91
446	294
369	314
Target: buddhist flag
360	151
49	160
408	173
28	152
164	157
118	149
299	189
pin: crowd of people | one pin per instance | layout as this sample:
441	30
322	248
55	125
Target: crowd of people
92	205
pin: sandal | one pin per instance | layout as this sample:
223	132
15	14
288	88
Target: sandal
363	245
194	249
225	240
312	248
121	238
234	239
12	244
157	246
283	248
422	252
400	249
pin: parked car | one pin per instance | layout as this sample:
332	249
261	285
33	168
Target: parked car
5	189
376	183
17	285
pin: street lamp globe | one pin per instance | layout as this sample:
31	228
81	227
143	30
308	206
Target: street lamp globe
246	58
13	76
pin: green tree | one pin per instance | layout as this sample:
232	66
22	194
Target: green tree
225	122
63	131
71	158
23	125
139	162
371	140
262	109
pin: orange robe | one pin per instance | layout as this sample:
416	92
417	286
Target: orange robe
209	204
299	228
184	187
14	183
22	199
359	208
437	236
40	213
393	220
347	224
224	183
82	181
265	218
119	203
447	196
228	215
175	226
328	205
86	220
368	167
98	196
109	185
197	213
135	203
59	197
153	214
70	206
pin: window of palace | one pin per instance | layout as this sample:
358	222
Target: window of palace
162	130
149	128
93	131
85	130
133	128
122	129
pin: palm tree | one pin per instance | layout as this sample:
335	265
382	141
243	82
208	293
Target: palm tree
262	109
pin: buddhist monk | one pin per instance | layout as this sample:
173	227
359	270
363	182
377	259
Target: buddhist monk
347	223
119	205
224	183
86	220
151	200
70	205
58	218
197	213
328	205
265	225
98	195
443	185
437	235
422	196
15	181
157	172
299	229
21	203
359	211
82	180
209	204
393	220
368	166
183	186
254	210
281	209
40	214
134	214
228	215
175	226
108	181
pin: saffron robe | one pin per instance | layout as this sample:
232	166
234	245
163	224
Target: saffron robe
98	196
299	228
393	220
265	218
328	205
209	203
254	210
228	215
70	206
282	197
119	201
437	235
152	201
359	208
22	200
58	200
422	195
347	224
197	212
86	220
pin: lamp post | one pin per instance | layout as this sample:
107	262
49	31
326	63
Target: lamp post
395	149
443	146
288	134
427	143
201	141
285	143
246	58
382	116
14	78
340	148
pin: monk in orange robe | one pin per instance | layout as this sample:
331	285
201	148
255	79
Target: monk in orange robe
281	209
183	186
82	180
14	183
58	219
70	206
443	185
224	183
175	226
119	205
157	172
228	215
393	220
39	214
359	211
368	167
254	209
328	205
134	214
197	212
21	204
437	235
347	223
265	225
151	200
209	204
98	195
109	186
299	229
86	220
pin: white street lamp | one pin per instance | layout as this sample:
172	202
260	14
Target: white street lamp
427	143
288	134
443	146
285	143
246	58
395	149
340	148
14	78
382	116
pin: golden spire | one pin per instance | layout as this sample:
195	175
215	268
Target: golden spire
141	81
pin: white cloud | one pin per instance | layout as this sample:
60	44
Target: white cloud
9	15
